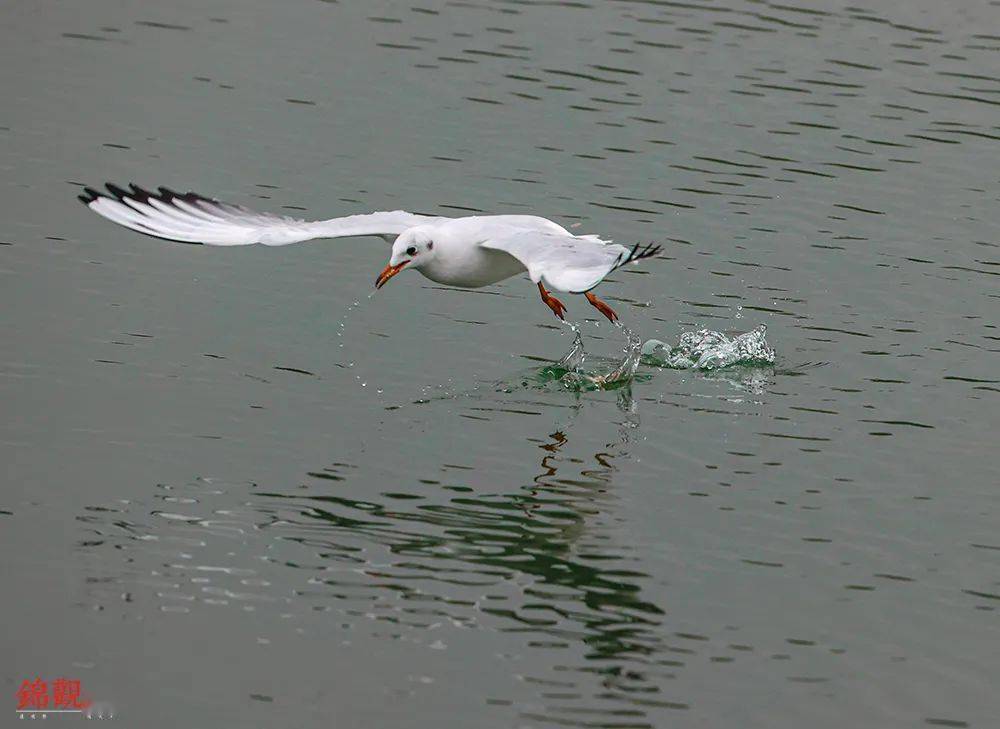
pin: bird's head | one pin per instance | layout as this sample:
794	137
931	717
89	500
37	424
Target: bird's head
413	248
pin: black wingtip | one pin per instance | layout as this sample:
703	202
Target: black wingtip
136	193
139	193
113	192
118	192
647	251
639	252
89	195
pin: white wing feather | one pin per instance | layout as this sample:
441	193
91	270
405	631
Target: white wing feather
192	218
570	263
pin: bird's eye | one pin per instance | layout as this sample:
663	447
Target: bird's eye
411	251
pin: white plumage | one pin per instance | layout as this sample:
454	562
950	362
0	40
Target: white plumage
467	252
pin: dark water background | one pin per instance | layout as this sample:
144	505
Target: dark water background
232	497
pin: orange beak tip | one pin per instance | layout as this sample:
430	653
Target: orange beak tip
387	273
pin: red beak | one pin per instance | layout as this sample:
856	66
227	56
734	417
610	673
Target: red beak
387	273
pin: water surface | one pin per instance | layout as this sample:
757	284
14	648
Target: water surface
238	492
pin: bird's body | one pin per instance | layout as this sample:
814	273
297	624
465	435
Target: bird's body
462	262
471	267
466	252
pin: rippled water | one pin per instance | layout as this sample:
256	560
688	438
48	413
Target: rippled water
239	492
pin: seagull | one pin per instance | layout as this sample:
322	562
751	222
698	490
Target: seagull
466	252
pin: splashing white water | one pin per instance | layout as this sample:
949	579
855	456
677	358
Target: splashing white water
709	350
576	377
574	358
745	359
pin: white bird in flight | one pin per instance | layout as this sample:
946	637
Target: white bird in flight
466	252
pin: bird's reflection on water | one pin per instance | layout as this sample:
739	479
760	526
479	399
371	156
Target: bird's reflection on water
535	560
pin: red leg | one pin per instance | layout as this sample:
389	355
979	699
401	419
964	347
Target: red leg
552	302
602	307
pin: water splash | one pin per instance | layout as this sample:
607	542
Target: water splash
709	350
744	360
575	357
579	371
624	371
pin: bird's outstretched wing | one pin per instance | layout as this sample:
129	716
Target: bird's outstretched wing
570	263
192	218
